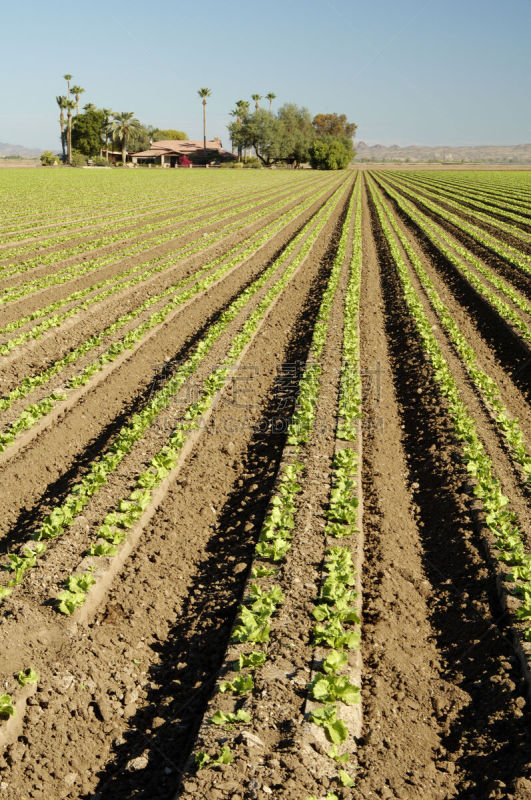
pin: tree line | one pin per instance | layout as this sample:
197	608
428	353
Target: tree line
290	136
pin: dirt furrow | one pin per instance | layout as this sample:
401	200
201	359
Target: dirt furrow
55	458
163	631
30	359
509	349
519	279
132	233
443	703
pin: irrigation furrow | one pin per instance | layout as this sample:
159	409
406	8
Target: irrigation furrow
121	349
141	273
507	428
457	255
190	561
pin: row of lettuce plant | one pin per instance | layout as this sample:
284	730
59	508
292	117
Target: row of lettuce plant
500	519
475	201
507	252
468	206
114	529
77	270
177	296
498	199
457	255
501	196
63	515
94	226
197	207
139	272
135	275
63	231
463	194
336	605
94	203
21	213
252	626
30	383
86	221
486	385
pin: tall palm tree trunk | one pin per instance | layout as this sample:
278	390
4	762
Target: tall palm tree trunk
69	137
204	125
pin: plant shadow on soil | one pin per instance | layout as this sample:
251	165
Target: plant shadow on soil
57	491
189	660
510	272
509	348
488	738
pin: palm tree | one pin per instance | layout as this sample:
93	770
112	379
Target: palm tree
256	98
271	96
76	91
203	94
61	100
122	127
69	105
68	78
240	111
106	119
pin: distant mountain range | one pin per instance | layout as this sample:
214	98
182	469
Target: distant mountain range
18	150
494	154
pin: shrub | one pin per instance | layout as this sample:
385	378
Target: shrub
99	161
78	159
331	153
48	159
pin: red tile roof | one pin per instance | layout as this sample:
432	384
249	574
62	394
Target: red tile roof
179	147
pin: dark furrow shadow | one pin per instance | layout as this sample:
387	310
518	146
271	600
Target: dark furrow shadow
28	520
488	736
189	660
511	350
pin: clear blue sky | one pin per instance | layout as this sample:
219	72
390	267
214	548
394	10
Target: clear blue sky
407	71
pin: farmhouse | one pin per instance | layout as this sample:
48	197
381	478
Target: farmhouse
169	152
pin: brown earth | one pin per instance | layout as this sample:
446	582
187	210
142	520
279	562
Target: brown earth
121	696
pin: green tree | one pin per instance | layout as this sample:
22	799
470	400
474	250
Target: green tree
284	137
330	152
298	131
67	78
239	112
87	131
48	158
69	105
123	128
270	96
203	94
168	133
256	98
61	101
76	91
334	125
107	112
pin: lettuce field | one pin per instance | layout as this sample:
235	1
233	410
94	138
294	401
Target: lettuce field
265	472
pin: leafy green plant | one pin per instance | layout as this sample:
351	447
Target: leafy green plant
230	718
203	760
251	660
27	676
242	684
330	688
7	709
335	729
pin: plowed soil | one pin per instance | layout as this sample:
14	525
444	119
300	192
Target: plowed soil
123	692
